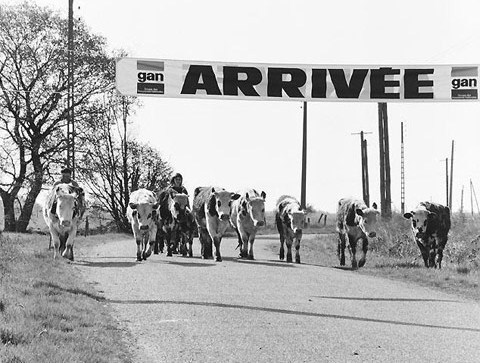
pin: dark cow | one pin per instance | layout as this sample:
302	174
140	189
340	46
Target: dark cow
289	218
175	221
248	214
211	209
355	223
430	226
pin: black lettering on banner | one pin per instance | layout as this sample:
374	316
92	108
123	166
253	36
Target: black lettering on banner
412	83
319	83
192	80
378	83
344	89
292	87
232	83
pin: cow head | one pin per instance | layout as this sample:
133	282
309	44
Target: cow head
65	205
255	207
367	219
145	213
294	218
178	204
220	203
419	218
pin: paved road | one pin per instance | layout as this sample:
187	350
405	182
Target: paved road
191	310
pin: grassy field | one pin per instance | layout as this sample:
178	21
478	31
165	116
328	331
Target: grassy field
393	254
47	313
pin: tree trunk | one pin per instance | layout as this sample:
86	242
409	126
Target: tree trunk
32	195
8	207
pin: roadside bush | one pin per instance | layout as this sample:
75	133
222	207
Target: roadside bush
394	239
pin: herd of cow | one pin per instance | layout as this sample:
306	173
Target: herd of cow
167	220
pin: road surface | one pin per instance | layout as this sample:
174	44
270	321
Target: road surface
192	310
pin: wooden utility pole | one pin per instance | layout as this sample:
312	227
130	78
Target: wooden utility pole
451	178
70	97
385	182
303	193
363	152
402	171
471	197
446	180
461	206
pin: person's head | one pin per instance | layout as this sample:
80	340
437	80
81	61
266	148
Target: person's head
66	174
177	180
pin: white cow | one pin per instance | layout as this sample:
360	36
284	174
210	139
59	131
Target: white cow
63	211
142	214
248	213
2	216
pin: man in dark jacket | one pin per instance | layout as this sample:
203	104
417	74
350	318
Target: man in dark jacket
67	178
176	183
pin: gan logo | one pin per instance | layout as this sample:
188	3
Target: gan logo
464	83
150	77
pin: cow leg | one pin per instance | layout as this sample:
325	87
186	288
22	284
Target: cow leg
174	240
244	244
190	244
298	238
363	252
63	240
168	235
282	250
441	242
68	253
138	239
251	239
149	241
289	242
352	248
216	241
156	245
424	252
240	243
341	248
56	242
281	232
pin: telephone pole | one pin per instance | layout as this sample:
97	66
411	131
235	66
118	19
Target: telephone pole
451	178
363	152
70	97
402	171
446	180
385	182
303	193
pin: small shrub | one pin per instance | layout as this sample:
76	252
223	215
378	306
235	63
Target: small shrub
8	336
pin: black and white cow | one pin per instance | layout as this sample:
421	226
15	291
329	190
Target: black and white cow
289	218
142	215
248	214
211	209
355	223
175	220
63	211
430	226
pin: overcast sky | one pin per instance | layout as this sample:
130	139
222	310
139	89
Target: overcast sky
237	144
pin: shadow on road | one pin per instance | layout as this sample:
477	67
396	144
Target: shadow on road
288	312
120	264
383	299
75	291
270	263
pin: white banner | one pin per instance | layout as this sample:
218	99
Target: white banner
256	81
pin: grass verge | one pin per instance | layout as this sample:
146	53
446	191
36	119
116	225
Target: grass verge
47	313
393	254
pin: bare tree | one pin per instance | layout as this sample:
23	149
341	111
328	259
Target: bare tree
33	92
112	165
